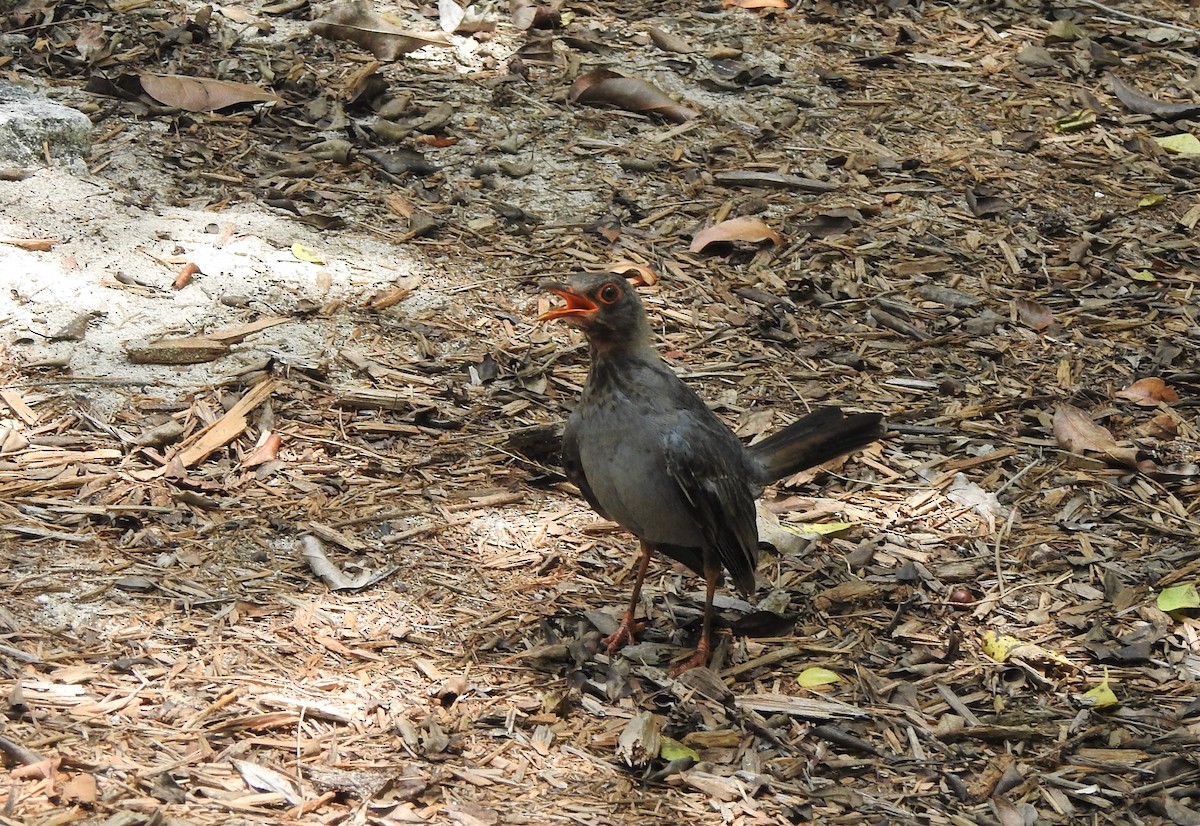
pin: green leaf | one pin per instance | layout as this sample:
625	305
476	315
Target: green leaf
1144	275
1151	200
1178	598
674	750
1063	31
815	676
1182	144
1083	119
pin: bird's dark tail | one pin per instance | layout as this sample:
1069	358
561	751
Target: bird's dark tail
823	434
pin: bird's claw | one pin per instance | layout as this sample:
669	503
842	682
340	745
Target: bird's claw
624	633
698	660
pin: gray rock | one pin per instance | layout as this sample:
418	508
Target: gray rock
27	121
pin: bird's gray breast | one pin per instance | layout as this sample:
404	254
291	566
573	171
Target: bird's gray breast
621	453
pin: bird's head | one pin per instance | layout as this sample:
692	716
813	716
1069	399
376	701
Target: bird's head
604	305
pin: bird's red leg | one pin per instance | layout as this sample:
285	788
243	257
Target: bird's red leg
629	624
711	575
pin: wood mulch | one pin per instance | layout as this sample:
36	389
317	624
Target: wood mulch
391	613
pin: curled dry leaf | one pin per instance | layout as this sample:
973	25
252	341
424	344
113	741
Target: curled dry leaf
1075	431
1142	104
450	15
641	739
454	17
530	14
31	244
1149	392
312	551
265	779
669	42
265	451
185	275
982	206
358	23
602	87
640	274
201	94
453	688
736	229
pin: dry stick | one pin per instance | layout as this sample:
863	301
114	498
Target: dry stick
1138	18
1012	515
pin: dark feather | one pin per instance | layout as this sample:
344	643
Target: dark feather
823	434
719	501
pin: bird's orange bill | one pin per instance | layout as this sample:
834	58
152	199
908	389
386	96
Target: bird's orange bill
577	305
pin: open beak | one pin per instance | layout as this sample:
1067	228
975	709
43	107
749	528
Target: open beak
577	306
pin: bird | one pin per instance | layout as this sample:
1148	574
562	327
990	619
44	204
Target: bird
647	453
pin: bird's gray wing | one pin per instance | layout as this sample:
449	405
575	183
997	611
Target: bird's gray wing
573	467
708	467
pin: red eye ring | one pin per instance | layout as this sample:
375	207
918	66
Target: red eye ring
609	293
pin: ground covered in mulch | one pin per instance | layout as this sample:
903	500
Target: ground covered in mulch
333	575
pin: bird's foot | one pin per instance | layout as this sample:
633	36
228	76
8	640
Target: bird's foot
624	633
697	660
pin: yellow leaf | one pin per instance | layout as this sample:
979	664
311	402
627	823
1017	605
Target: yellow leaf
815	676
1102	696
1002	647
999	646
304	253
1144	275
1181	144
1151	200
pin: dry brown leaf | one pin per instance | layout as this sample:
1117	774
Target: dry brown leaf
32	244
1162	426
358	23
197	350
530	14
669	42
81	788
46	769
202	94
185	275
751	230
1075	431
91	42
1140	103
641	739
602	87
265	451
640	274
1149	392
754	4
1009	813
1033	315
266	779
981	206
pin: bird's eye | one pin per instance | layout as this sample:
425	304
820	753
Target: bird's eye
609	293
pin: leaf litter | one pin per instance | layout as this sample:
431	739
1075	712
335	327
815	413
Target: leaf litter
167	648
